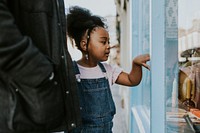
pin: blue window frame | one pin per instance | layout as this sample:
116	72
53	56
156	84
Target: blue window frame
140	95
154	32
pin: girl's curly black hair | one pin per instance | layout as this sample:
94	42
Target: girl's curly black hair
80	20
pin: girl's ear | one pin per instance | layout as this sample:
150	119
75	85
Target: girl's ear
83	45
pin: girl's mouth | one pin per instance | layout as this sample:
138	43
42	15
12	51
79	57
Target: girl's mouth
107	54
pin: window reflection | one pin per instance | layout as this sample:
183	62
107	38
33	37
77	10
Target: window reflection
144	45
187	109
189	53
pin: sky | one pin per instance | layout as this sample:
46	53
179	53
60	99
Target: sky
187	10
97	7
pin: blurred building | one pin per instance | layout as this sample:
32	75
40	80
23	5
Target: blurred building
189	38
124	38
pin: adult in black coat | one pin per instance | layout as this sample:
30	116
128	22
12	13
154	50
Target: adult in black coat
37	82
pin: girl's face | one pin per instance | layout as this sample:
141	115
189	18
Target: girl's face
98	47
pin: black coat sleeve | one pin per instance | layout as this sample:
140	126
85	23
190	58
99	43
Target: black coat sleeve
19	58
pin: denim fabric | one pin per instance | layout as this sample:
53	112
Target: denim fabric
96	104
103	128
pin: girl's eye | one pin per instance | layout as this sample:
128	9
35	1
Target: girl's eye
104	42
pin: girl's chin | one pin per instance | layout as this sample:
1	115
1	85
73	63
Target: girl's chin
104	59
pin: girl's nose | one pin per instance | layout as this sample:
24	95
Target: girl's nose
108	46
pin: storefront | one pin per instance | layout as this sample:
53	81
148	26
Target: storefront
170	31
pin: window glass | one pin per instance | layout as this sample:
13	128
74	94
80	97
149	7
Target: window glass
141	45
144	47
183	77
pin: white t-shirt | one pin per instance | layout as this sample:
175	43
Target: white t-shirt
96	72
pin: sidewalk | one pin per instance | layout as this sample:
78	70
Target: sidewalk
119	123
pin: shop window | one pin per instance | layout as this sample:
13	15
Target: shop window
183	91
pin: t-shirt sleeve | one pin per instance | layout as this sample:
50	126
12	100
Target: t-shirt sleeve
113	72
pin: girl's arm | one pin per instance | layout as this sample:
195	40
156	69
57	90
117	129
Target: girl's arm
135	76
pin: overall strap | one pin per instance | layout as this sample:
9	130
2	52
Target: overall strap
76	70
102	67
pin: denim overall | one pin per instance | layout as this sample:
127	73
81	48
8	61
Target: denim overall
96	104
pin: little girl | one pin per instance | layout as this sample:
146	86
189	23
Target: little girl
95	78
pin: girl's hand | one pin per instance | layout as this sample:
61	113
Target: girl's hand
141	60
